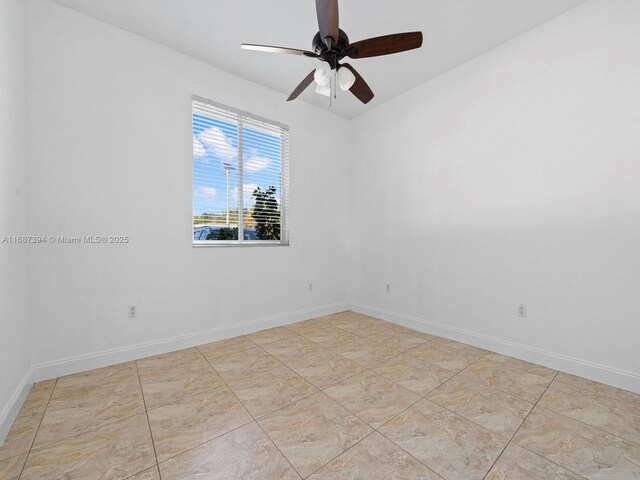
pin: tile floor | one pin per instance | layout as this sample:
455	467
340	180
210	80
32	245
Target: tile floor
339	397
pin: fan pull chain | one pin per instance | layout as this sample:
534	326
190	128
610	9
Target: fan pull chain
333	87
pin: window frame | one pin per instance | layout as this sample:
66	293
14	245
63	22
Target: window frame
241	117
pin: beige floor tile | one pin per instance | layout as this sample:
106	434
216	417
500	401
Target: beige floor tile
88	400
151	474
516	463
369	318
397	340
375	457
508	379
614	416
309	326
410	331
428	337
225	347
412	373
91	428
394	325
11	468
265	337
382	335
406	341
486	406
371	397
448	444
522	365
585	450
268	391
600	388
288	352
169	377
446	355
366	353
346	316
194	420
117	450
243	364
322	320
324	368
313	431
23	431
331	337
400	328
242	454
461	347
361	326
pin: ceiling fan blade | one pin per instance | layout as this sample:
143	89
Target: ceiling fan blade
302	87
271	49
328	19
386	45
360	88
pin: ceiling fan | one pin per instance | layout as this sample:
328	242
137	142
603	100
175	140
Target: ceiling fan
331	45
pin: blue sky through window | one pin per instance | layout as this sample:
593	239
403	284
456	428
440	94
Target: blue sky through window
215	146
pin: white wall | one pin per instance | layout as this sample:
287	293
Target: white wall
110	153
14	325
514	179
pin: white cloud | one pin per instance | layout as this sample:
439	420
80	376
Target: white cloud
206	193
248	192
217	141
255	164
198	148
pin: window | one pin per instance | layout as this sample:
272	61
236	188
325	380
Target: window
240	177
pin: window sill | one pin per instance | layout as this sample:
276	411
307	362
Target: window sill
250	243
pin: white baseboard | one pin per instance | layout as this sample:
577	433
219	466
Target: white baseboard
583	368
81	363
14	405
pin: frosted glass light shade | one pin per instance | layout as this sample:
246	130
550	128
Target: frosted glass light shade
323	90
346	78
322	75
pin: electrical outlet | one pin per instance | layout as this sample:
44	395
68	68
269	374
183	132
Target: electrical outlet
388	288
522	311
133	311
311	287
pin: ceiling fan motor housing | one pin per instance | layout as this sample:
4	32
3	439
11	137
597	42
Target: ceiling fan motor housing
336	53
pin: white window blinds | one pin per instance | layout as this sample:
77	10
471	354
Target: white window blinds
240	177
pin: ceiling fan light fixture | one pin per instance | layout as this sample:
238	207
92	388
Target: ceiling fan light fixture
331	45
322	75
323	90
346	78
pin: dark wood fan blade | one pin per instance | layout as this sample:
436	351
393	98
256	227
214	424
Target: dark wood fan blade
360	88
271	49
302	87
328	19
386	45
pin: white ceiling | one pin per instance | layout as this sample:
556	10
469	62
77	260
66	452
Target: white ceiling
212	30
